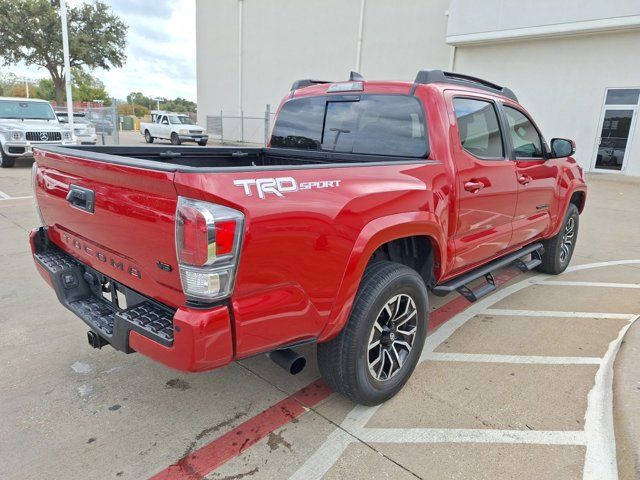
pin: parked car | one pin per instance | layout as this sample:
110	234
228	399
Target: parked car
25	123
175	127
83	129
370	195
101	121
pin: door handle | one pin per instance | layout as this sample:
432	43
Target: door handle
473	186
82	198
524	179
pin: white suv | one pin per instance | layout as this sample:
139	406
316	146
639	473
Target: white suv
26	123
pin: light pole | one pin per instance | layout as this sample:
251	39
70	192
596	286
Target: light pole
157	99
67	63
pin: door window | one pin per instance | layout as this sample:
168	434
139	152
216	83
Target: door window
524	135
616	126
478	128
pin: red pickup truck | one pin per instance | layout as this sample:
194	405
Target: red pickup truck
370	195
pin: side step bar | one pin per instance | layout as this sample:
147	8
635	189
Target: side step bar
461	283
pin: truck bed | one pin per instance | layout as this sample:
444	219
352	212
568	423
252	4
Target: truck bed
219	159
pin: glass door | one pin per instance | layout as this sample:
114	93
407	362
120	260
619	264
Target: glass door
619	112
612	145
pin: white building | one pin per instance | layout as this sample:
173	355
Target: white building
574	64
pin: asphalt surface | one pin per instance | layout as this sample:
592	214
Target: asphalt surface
518	385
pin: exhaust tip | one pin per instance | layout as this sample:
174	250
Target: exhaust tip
289	360
298	365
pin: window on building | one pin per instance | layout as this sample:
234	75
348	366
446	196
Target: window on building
478	128
524	136
390	125
622	96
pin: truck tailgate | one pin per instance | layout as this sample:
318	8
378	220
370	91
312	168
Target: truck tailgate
126	232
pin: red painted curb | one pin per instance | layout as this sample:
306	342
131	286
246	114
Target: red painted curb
230	445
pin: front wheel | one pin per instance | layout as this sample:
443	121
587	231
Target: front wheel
558	250
377	350
5	160
175	139
202	143
147	136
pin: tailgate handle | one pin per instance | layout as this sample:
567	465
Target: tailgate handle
81	198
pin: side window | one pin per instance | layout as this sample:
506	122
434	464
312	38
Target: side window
479	128
340	127
524	136
165	121
299	124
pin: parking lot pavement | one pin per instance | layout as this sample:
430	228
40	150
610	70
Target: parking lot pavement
517	385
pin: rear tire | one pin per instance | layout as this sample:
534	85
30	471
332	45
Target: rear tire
202	143
5	160
175	139
558	250
390	304
147	136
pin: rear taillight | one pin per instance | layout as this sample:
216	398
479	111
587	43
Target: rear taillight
208	239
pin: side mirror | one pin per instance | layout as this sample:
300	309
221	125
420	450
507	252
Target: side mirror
562	147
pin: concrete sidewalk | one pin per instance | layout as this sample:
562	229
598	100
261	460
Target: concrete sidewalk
626	401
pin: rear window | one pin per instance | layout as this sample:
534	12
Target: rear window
391	125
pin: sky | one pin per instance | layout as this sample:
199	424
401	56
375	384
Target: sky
161	50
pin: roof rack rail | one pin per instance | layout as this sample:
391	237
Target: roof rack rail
307	82
438	76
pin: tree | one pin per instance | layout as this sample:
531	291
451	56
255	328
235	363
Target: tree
30	32
87	88
139	98
125	109
179	105
45	89
12	86
7	82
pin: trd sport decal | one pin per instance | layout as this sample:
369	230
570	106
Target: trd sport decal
281	185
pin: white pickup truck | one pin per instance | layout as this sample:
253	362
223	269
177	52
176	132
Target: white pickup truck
175	127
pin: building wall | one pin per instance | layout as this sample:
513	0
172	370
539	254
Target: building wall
562	81
559	56
472	21
286	40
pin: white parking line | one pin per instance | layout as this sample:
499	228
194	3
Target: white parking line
323	459
530	359
469	435
598	435
561	283
550	313
4	196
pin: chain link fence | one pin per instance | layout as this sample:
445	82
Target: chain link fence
105	120
240	129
